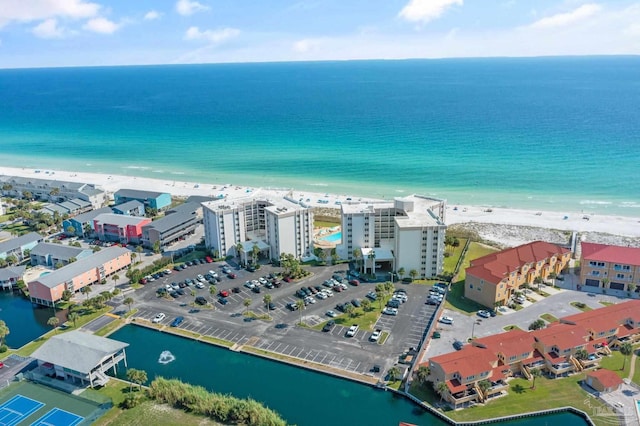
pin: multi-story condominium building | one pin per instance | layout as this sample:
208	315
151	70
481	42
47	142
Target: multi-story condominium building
405	233
71	207
129	208
83	223
275	225
10	276
169	229
605	267
18	247
50	255
154	200
54	191
119	228
47	289
570	345
491	280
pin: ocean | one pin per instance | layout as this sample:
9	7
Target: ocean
558	134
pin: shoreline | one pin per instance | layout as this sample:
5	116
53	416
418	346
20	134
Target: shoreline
625	226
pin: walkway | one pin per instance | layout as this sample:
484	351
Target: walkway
632	368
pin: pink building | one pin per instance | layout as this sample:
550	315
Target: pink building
120	228
47	289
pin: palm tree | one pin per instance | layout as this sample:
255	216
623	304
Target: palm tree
626	349
141	378
239	248
266	299
552	276
484	385
538	280
581	354
366	305
255	250
115	277
53	322
372	259
300	306
128	301
357	253
442	389
380	292
394	374
401	272
605	281
349	309
87	230
4	331
422	374
535	374
139	250
247	303
136	376
413	274
212	291
86	290
73	317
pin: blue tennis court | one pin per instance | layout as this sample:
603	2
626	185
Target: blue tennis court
17	409
58	417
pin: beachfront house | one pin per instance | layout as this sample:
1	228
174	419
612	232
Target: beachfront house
275	225
573	344
54	191
19	247
10	275
158	201
77	358
47	289
405	233
603	380
169	229
493	279
71	207
119	228
53	255
82	224
129	208
605	267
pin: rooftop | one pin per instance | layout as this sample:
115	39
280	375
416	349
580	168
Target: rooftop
11	272
138	194
169	222
611	254
563	336
511	343
495	267
20	241
77	350
608	378
612	317
80	266
89	216
59	251
119	219
272	203
129	205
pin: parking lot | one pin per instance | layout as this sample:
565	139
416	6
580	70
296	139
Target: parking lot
281	335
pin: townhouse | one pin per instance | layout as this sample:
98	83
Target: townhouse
491	280
169	229
119	228
54	191
48	289
20	246
10	276
604	267
572	344
158	201
129	208
51	255
82	224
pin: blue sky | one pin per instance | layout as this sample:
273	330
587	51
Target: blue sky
43	33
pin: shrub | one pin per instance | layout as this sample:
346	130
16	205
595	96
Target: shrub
3	349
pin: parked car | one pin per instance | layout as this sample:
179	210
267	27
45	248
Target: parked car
232	275
201	300
256	289
271	306
331	314
375	335
292	306
356	303
457	345
446	320
224	293
372	295
208	259
222	300
353	330
158	318
236	290
390	311
393	303
176	322
484	314
287	279
329	326
354	282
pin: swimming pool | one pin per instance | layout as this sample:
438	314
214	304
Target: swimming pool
333	238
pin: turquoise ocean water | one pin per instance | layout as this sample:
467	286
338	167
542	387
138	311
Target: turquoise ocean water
542	133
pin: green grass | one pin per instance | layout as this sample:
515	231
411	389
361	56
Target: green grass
5	217
602	302
581	306
548	318
110	328
549	393
511	327
395	384
325	223
365	320
451	261
383	337
424	392
196	254
475	251
614	362
636	372
215	341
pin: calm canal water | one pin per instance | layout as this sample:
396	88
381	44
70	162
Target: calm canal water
25	323
302	397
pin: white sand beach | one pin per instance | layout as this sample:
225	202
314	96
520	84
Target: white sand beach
624	226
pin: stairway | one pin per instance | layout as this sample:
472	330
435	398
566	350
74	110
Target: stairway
525	371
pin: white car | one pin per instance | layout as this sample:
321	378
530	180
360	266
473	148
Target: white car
168	271
390	311
484	314
262	281
321	295
329	293
375	335
352	330
249	284
331	314
446	320
199	285
158	318
310	300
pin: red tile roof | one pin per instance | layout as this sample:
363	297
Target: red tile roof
496	266
455	386
612	254
608	378
607	318
470	361
512	343
563	336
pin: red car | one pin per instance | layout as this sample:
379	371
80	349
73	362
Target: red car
232	275
208	259
354	282
1	364
224	293
287	279
143	281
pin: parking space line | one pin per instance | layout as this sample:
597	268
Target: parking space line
301	350
323	358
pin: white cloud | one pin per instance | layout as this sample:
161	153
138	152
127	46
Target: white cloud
425	11
35	10
212	36
101	26
152	15
306	45
188	7
48	29
564	19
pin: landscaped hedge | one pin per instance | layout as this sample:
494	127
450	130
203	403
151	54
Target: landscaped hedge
222	408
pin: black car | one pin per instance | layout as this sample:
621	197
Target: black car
269	285
356	303
271	306
189	263
301	293
329	326
393	303
256	289
174	294
236	290
183	266
292	306
277	284
180	292
222	300
201	300
161	291
457	344
250	268
177	268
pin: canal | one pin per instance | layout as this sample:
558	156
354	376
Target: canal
25	323
301	396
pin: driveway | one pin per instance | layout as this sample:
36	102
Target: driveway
623	403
